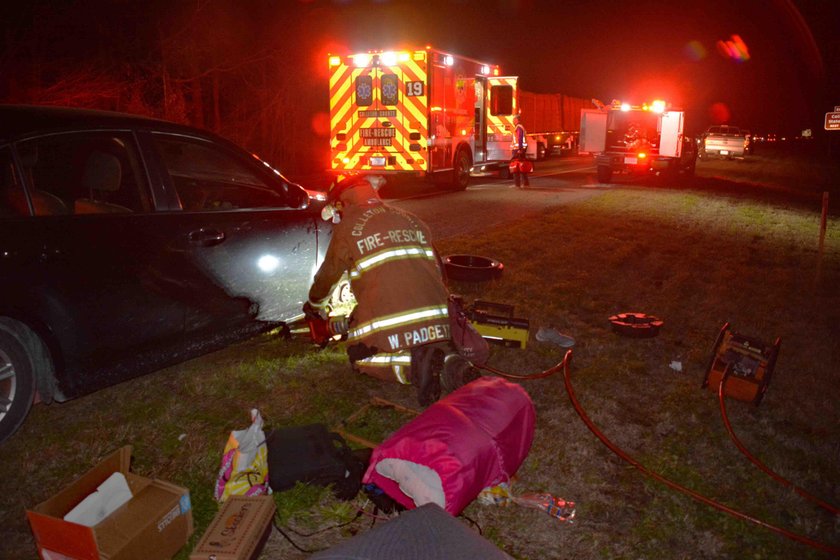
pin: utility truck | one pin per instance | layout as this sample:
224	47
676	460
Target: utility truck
638	139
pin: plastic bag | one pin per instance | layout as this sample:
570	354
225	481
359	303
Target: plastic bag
244	469
502	495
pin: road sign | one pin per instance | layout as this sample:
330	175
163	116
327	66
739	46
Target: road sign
832	121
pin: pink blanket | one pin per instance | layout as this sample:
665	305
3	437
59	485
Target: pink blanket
473	438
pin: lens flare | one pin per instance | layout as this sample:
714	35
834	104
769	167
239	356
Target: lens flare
695	50
734	48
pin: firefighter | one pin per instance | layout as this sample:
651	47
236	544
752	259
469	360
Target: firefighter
519	165
400	327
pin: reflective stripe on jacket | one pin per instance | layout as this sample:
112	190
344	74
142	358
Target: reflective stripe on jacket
394	274
519	140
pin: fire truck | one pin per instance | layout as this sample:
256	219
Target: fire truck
422	112
637	139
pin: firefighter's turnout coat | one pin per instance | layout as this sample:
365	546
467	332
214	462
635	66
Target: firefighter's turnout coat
396	278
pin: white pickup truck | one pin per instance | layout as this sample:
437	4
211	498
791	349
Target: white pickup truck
723	141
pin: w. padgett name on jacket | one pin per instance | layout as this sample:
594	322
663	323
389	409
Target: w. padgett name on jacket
419	336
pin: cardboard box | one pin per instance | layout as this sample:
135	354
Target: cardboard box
239	531
155	523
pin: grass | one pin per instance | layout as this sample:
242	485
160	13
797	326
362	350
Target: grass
695	256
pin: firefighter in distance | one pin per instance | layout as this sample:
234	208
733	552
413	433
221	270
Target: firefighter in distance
400	327
520	167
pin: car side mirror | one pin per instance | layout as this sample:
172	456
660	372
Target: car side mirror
297	196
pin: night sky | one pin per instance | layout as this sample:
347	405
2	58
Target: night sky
636	51
784	81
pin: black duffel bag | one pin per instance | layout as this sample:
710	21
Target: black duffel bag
314	455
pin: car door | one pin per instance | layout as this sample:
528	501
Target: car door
81	254
242	227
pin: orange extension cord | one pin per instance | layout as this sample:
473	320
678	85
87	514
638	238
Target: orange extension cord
673	485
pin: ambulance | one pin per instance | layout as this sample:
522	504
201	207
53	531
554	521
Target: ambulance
419	112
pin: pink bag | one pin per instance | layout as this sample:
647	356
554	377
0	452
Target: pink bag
473	438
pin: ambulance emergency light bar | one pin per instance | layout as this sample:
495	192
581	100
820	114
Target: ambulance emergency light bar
392	58
656	106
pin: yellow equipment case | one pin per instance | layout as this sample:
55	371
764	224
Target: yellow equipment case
496	323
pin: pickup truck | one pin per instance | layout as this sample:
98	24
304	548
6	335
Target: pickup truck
723	141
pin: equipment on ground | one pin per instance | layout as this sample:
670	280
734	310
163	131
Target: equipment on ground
746	362
496	323
678	487
472	268
636	325
637	139
311	454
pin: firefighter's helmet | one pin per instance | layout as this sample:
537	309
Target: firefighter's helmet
356	189
364	185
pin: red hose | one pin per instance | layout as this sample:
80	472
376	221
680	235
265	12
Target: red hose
550	371
691	493
802	492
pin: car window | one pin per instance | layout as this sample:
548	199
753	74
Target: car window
208	177
83	173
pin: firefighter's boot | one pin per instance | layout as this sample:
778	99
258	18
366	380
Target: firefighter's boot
426	366
457	372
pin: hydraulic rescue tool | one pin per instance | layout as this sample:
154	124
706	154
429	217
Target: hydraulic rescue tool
323	329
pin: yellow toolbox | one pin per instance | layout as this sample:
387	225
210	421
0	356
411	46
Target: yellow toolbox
496	323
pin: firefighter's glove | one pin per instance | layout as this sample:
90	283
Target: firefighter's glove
312	312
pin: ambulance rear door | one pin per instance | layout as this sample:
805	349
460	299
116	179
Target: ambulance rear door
501	105
378	112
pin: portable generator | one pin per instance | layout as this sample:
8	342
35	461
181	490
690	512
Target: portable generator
747	364
496	323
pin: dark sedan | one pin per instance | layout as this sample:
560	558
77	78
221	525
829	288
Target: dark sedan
128	244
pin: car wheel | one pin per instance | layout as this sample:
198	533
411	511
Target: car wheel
472	268
17	382
461	171
604	173
541	152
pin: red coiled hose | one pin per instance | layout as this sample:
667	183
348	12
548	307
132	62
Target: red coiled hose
775	476
673	485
